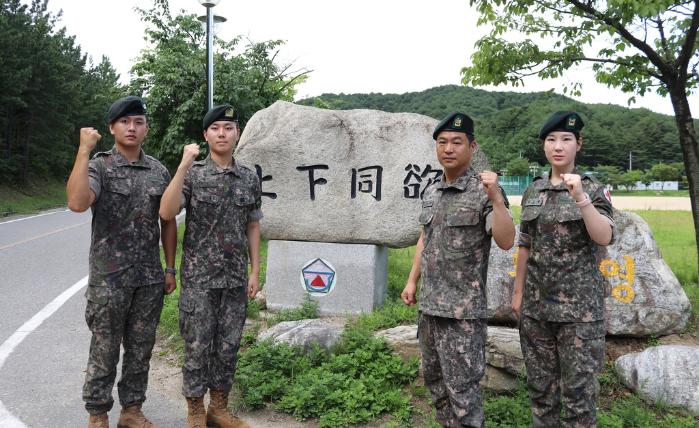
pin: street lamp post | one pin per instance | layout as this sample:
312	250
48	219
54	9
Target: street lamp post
209	4
533	169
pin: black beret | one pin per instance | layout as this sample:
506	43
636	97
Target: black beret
456	121
568	121
127	106
223	112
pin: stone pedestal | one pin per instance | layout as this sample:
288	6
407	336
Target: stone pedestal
342	278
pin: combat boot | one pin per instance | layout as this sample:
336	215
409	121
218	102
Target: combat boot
218	415
132	417
196	416
98	421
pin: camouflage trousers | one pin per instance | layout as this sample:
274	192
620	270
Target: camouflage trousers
562	359
211	324
117	315
453	362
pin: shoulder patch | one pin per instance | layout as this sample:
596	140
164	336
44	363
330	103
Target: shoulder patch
607	194
246	168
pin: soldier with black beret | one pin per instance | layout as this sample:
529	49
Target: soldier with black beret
222	235
559	291
460	213
126	284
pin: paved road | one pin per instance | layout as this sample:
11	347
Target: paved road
41	376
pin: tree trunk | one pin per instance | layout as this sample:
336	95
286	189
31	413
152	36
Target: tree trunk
690	152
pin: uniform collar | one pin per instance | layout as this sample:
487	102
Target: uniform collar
120	160
215	169
460	183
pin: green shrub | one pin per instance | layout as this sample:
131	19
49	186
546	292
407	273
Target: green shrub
307	310
509	410
359	381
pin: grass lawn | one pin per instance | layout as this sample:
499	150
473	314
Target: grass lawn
38	195
684	192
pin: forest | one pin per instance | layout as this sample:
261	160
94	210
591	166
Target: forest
507	123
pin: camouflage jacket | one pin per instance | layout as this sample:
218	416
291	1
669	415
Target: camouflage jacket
220	203
456	220
563	281
125	250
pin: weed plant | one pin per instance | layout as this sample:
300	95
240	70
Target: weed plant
307	310
357	382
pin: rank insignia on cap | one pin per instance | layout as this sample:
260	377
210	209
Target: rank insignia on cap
457	122
230	112
571	121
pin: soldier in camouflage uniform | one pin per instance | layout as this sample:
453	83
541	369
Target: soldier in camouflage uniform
565	216
459	215
123	187
223	200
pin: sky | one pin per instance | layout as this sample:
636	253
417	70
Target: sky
362	46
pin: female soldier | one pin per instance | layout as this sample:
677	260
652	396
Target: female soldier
565	216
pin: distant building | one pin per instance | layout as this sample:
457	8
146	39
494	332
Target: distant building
658	185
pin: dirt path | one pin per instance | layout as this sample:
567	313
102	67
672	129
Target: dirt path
166	377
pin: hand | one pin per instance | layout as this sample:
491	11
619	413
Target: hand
89	138
170	283
253	286
408	294
517	304
490	185
574	185
189	155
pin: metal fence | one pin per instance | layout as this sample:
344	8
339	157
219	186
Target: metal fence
514	184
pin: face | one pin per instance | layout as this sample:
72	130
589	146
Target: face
454	151
129	131
560	148
222	136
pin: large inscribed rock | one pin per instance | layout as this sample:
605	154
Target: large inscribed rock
352	176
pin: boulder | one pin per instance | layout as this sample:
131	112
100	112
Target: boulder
643	295
503	355
503	351
344	176
304	333
261	299
403	340
664	374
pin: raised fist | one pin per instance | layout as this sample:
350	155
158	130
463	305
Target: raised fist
89	138
490	185
189	155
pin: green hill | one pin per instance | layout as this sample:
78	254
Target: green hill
507	123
